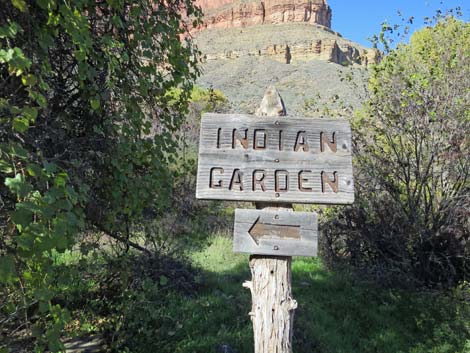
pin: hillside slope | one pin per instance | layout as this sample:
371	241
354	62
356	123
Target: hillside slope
314	67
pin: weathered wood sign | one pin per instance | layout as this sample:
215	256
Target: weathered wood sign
277	232
248	158
274	161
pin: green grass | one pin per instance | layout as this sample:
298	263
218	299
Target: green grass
218	257
336	313
202	322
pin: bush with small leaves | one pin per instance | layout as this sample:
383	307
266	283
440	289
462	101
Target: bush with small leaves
412	164
87	132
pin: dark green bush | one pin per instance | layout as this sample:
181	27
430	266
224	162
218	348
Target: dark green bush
87	135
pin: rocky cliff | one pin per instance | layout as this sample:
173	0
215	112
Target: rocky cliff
284	30
247	45
229	14
286	43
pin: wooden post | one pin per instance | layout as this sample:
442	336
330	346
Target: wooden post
274	161
272	312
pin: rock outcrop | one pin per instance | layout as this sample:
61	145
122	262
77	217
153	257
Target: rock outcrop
284	30
242	13
247	45
286	43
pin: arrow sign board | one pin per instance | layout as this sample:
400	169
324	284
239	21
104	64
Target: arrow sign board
272	232
248	158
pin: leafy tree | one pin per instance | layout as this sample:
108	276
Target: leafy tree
413	162
87	131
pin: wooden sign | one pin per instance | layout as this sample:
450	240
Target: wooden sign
282	233
248	158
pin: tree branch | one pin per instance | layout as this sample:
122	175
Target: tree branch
122	239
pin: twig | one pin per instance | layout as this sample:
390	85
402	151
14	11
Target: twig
124	240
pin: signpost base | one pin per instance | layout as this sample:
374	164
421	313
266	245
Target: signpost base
272	311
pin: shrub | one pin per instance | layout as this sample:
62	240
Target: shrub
412	164
87	134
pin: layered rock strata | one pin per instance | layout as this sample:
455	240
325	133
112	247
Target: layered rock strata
247	45
284	43
234	14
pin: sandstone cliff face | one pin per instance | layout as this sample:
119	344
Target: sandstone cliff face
327	50
230	14
247	45
283	30
286	43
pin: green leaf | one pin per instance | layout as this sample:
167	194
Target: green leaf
30	113
28	80
18	63
94	103
34	170
58	239
74	221
18	185
18	151
25	241
29	206
50	168
72	194
20	124
20	5
80	55
38	98
10	30
5	167
61	179
53	194
22	217
6	55
64	204
45	40
7	269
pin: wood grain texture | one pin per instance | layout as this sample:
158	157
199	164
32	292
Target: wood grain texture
272	311
273	307
248	165
275	232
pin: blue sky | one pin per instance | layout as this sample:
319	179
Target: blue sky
357	20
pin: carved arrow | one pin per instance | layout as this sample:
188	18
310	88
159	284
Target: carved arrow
277	231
